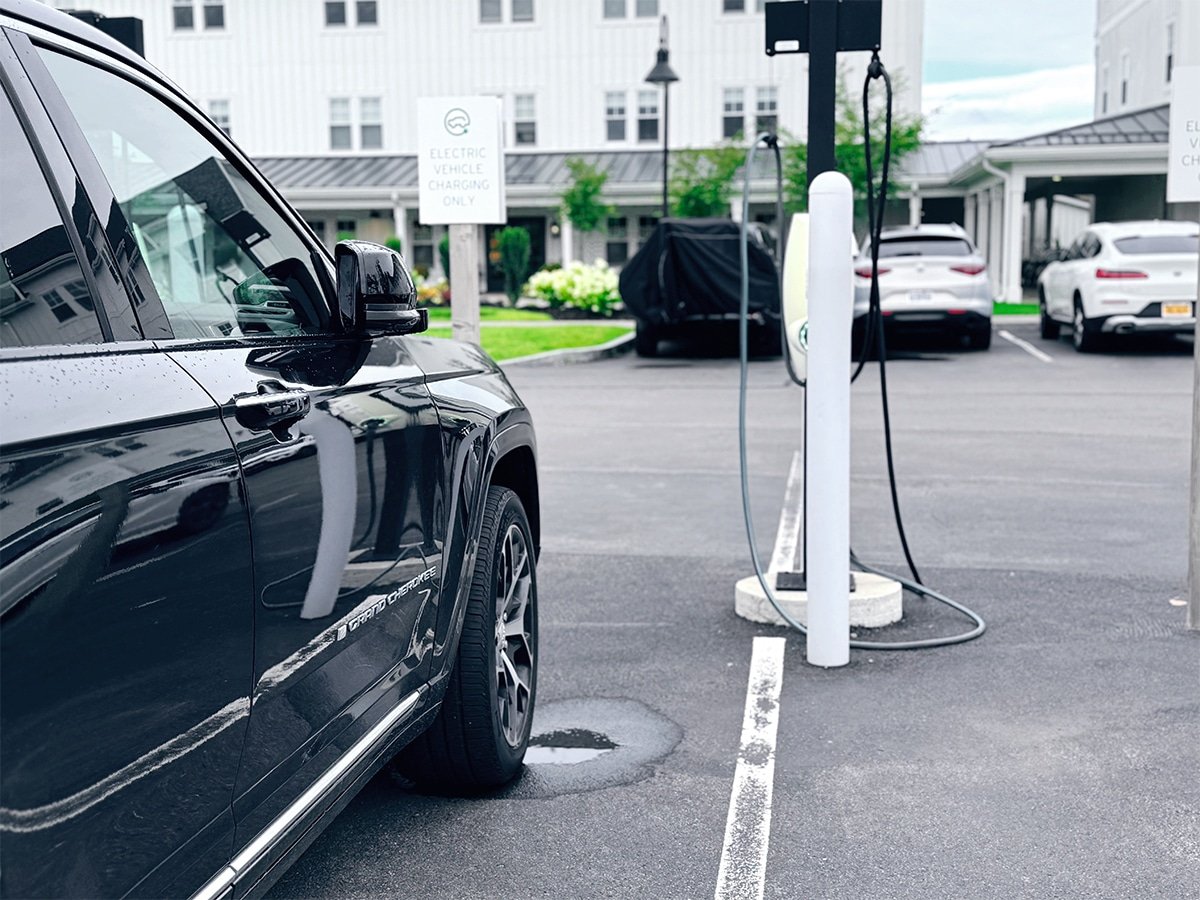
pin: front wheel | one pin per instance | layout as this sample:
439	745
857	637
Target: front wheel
645	340
479	738
1047	327
1085	337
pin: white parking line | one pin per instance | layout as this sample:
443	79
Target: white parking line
743	871
1026	346
787	536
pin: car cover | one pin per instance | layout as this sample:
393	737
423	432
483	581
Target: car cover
690	268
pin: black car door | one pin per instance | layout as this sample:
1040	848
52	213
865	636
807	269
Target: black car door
125	591
338	439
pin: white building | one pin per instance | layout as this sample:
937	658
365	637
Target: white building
1138	45
324	94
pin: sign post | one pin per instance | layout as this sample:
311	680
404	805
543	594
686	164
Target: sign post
1183	186
460	171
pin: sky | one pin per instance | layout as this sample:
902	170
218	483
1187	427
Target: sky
999	69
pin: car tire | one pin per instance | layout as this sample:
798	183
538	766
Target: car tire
479	738
1047	327
980	338
645	341
1085	336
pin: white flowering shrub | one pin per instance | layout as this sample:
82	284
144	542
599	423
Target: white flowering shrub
591	288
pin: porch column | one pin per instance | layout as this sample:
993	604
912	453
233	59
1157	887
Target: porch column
914	207
566	238
1049	221
1014	226
995	241
970	218
400	228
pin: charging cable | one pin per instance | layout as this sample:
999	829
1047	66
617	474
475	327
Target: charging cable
874	332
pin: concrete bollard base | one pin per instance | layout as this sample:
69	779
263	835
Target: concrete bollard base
876	601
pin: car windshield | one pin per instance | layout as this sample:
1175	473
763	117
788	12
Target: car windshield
925	246
1158	243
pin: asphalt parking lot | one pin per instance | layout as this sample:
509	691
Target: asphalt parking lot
1057	756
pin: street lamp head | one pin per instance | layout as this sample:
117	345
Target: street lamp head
662	73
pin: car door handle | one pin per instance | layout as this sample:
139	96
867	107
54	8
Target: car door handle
273	408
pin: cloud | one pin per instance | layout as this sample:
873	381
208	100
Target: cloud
1009	107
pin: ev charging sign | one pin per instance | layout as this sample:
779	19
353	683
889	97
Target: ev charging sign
460	160
1183	153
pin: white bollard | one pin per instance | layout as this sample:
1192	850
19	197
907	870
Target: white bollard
827	467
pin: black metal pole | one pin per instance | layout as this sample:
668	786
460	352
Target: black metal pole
822	85
666	144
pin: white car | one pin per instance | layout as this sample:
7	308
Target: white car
1122	278
931	277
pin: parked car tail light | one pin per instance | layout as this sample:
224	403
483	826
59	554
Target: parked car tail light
865	271
969	269
1120	273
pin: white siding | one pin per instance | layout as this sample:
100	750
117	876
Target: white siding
1137	30
278	65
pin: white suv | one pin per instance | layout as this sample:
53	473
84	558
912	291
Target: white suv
1121	279
931	277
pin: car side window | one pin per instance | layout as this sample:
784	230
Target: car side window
223	259
44	296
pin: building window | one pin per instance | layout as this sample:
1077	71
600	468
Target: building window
647	8
422	251
184	15
370	123
347	229
647	115
524	119
522	10
735	5
614	115
646	226
617	247
214	15
733	117
1124	79
767	108
614	9
61	308
335	12
366	12
1170	50
489	11
1104	90
219	111
318	227
340	137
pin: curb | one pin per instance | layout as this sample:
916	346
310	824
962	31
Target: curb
573	355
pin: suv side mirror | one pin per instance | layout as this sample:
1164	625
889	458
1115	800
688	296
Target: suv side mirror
375	291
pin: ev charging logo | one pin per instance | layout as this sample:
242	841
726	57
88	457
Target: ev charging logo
457	122
802	336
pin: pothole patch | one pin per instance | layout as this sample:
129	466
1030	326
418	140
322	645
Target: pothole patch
588	744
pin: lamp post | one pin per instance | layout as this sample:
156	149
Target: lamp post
663	74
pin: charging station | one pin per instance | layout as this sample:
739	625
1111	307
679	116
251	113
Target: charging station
823	599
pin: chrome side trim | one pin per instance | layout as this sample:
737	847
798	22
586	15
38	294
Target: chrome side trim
266	839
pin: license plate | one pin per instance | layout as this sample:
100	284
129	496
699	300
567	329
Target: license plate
1172	310
921	296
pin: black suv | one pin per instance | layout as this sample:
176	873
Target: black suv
258	538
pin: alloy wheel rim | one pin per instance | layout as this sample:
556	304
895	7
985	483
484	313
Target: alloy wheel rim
1078	323
514	634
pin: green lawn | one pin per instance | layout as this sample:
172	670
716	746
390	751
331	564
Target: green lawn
492	314
509	343
1015	309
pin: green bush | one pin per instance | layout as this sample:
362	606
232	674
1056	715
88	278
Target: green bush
394	243
589	288
513	245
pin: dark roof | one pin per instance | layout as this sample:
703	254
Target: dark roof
939	159
1143	126
622	167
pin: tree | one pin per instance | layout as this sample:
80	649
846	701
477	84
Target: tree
702	180
513	245
444	255
581	202
848	145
